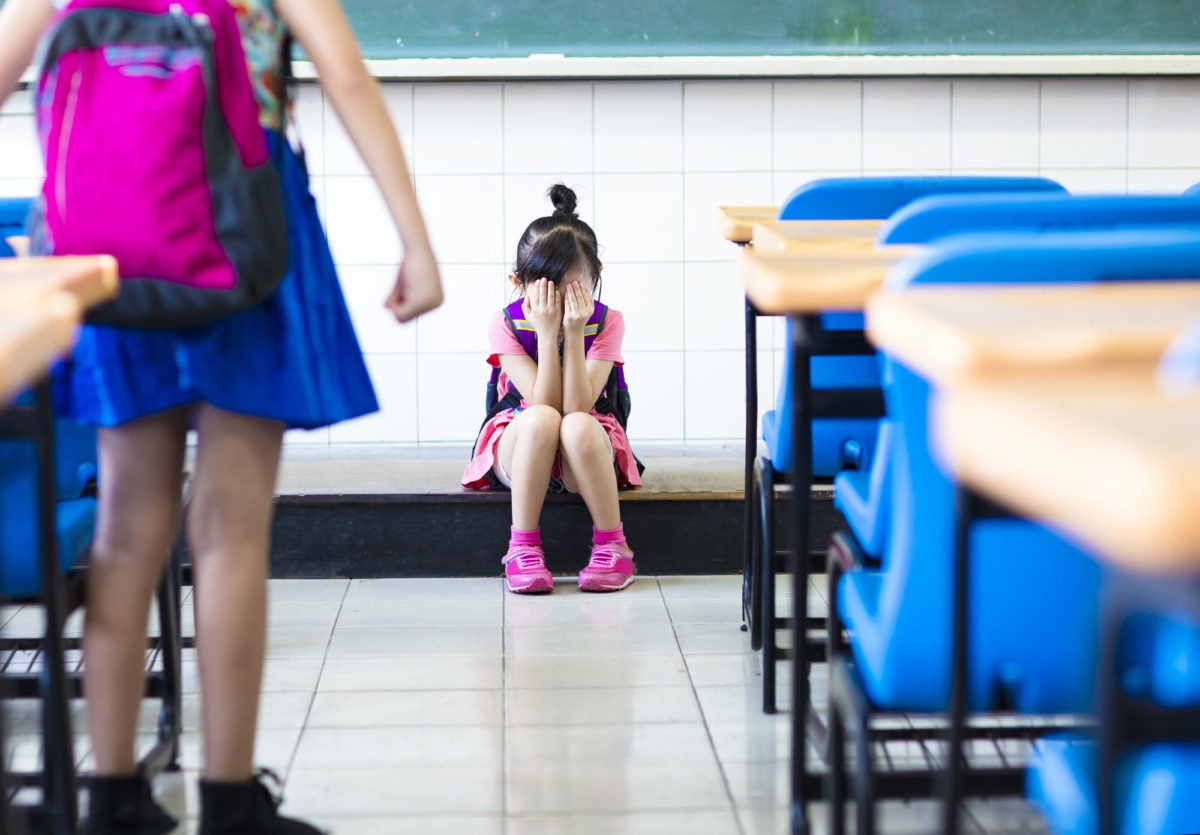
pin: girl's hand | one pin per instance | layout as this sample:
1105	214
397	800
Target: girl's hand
543	307
418	287
577	308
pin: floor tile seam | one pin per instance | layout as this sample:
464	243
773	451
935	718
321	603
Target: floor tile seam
312	692
730	799
504	750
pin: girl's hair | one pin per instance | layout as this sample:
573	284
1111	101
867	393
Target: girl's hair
557	243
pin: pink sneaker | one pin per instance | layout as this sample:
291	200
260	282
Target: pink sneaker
525	570
610	568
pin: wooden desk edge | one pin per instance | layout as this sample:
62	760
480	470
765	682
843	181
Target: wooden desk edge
46	333
1162	537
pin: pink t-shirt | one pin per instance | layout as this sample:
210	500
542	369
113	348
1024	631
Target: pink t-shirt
606	345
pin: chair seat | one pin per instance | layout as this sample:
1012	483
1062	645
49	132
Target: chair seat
1157	787
20	572
900	620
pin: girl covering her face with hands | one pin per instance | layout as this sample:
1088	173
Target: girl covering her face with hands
555	428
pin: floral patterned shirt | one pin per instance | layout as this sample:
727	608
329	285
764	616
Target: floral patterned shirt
262	39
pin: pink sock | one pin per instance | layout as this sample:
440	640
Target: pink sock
533	537
600	537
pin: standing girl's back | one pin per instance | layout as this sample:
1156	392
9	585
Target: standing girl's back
555	426
290	362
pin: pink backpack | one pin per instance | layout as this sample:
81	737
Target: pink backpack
154	154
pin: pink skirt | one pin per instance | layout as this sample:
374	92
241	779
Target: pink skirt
483	458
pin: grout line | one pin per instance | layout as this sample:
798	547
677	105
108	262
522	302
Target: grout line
703	716
316	685
504	774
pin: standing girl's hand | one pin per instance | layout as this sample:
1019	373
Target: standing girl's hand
418	287
543	307
577	307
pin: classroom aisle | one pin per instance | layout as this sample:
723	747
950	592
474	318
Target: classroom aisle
449	706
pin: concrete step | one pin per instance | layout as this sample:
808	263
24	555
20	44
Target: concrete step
400	512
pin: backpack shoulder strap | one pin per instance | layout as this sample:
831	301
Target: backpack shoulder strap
521	328
594	325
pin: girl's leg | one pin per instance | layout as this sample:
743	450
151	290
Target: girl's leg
587	459
140	477
526	455
229	526
588	470
527	449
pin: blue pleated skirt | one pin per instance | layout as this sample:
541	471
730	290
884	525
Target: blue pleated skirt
293	358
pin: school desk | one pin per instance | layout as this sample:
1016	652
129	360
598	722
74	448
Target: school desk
811	235
950	333
1046	404
802	283
91	279
1101	453
736	223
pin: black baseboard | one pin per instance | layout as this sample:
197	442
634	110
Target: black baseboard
466	535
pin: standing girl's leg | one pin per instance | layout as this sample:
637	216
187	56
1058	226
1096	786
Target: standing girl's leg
229	528
587	457
140	470
229	525
526	453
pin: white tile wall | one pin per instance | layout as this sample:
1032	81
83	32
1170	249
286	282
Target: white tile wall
1085	123
651	161
906	126
994	124
818	125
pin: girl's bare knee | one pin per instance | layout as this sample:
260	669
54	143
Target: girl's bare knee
580	433
541	418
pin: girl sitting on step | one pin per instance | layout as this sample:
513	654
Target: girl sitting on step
558	420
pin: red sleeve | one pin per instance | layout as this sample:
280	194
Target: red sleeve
607	344
501	339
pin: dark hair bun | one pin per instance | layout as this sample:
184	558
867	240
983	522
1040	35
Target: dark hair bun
564	201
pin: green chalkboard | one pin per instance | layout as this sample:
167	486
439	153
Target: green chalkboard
639	28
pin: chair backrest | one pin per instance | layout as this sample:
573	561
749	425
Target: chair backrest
13	211
930	218
878	198
859	198
1027	582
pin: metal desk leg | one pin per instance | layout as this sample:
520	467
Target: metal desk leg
801	423
966	505
748	603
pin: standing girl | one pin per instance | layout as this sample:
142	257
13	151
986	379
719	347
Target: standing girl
556	428
292	361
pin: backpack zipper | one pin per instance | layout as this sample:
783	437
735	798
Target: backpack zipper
64	142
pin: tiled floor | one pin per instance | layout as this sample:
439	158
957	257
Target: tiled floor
449	706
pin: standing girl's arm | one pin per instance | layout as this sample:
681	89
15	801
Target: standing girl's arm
583	379
321	27
22	23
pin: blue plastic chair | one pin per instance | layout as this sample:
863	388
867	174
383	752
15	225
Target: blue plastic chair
861	496
928	219
43	563
1149	779
845	439
1026	582
13	211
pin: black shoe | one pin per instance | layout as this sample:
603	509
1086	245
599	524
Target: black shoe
125	806
250	808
